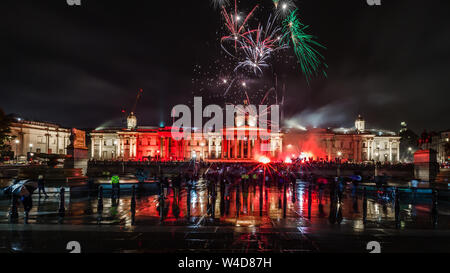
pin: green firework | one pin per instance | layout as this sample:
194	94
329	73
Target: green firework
304	45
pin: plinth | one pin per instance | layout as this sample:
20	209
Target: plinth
426	167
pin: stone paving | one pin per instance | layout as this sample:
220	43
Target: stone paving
237	223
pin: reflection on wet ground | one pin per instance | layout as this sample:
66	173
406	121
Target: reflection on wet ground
243	218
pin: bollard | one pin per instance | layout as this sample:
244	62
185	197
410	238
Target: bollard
188	201
238	203
397	208
13	214
364	205
133	204
62	209
309	200
213	201
261	199
284	200
161	207
100	200
434	211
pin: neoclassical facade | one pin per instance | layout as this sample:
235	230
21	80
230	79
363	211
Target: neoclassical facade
243	142
38	137
356	144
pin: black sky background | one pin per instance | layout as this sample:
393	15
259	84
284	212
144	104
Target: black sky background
79	66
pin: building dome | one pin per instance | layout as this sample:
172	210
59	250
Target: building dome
131	121
360	124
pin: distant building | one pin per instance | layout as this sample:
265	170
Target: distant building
357	144
38	137
440	142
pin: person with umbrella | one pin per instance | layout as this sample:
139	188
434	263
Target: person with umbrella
24	190
115	185
41	185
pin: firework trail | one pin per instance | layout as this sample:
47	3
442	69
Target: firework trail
303	44
275	2
232	24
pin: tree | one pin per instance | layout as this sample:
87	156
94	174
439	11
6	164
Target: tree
408	144
5	130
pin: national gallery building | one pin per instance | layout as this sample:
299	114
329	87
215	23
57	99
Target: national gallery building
356	144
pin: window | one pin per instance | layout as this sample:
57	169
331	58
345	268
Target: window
153	141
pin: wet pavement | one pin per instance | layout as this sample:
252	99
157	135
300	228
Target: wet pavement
239	219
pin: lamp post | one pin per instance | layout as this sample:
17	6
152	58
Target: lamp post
31	147
338	171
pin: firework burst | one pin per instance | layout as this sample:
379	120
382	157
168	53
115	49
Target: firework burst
258	46
304	46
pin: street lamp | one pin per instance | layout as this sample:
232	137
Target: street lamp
31	147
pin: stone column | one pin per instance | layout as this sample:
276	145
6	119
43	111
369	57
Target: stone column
372	145
92	146
209	147
100	148
57	142
390	151
135	147
48	141
222	148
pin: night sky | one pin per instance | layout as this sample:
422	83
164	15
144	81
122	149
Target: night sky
79	66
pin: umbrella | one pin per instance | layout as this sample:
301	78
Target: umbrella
22	188
356	177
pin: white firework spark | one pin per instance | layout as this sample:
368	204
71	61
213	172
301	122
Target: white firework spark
258	50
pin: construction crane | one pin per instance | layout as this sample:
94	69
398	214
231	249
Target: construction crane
138	96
